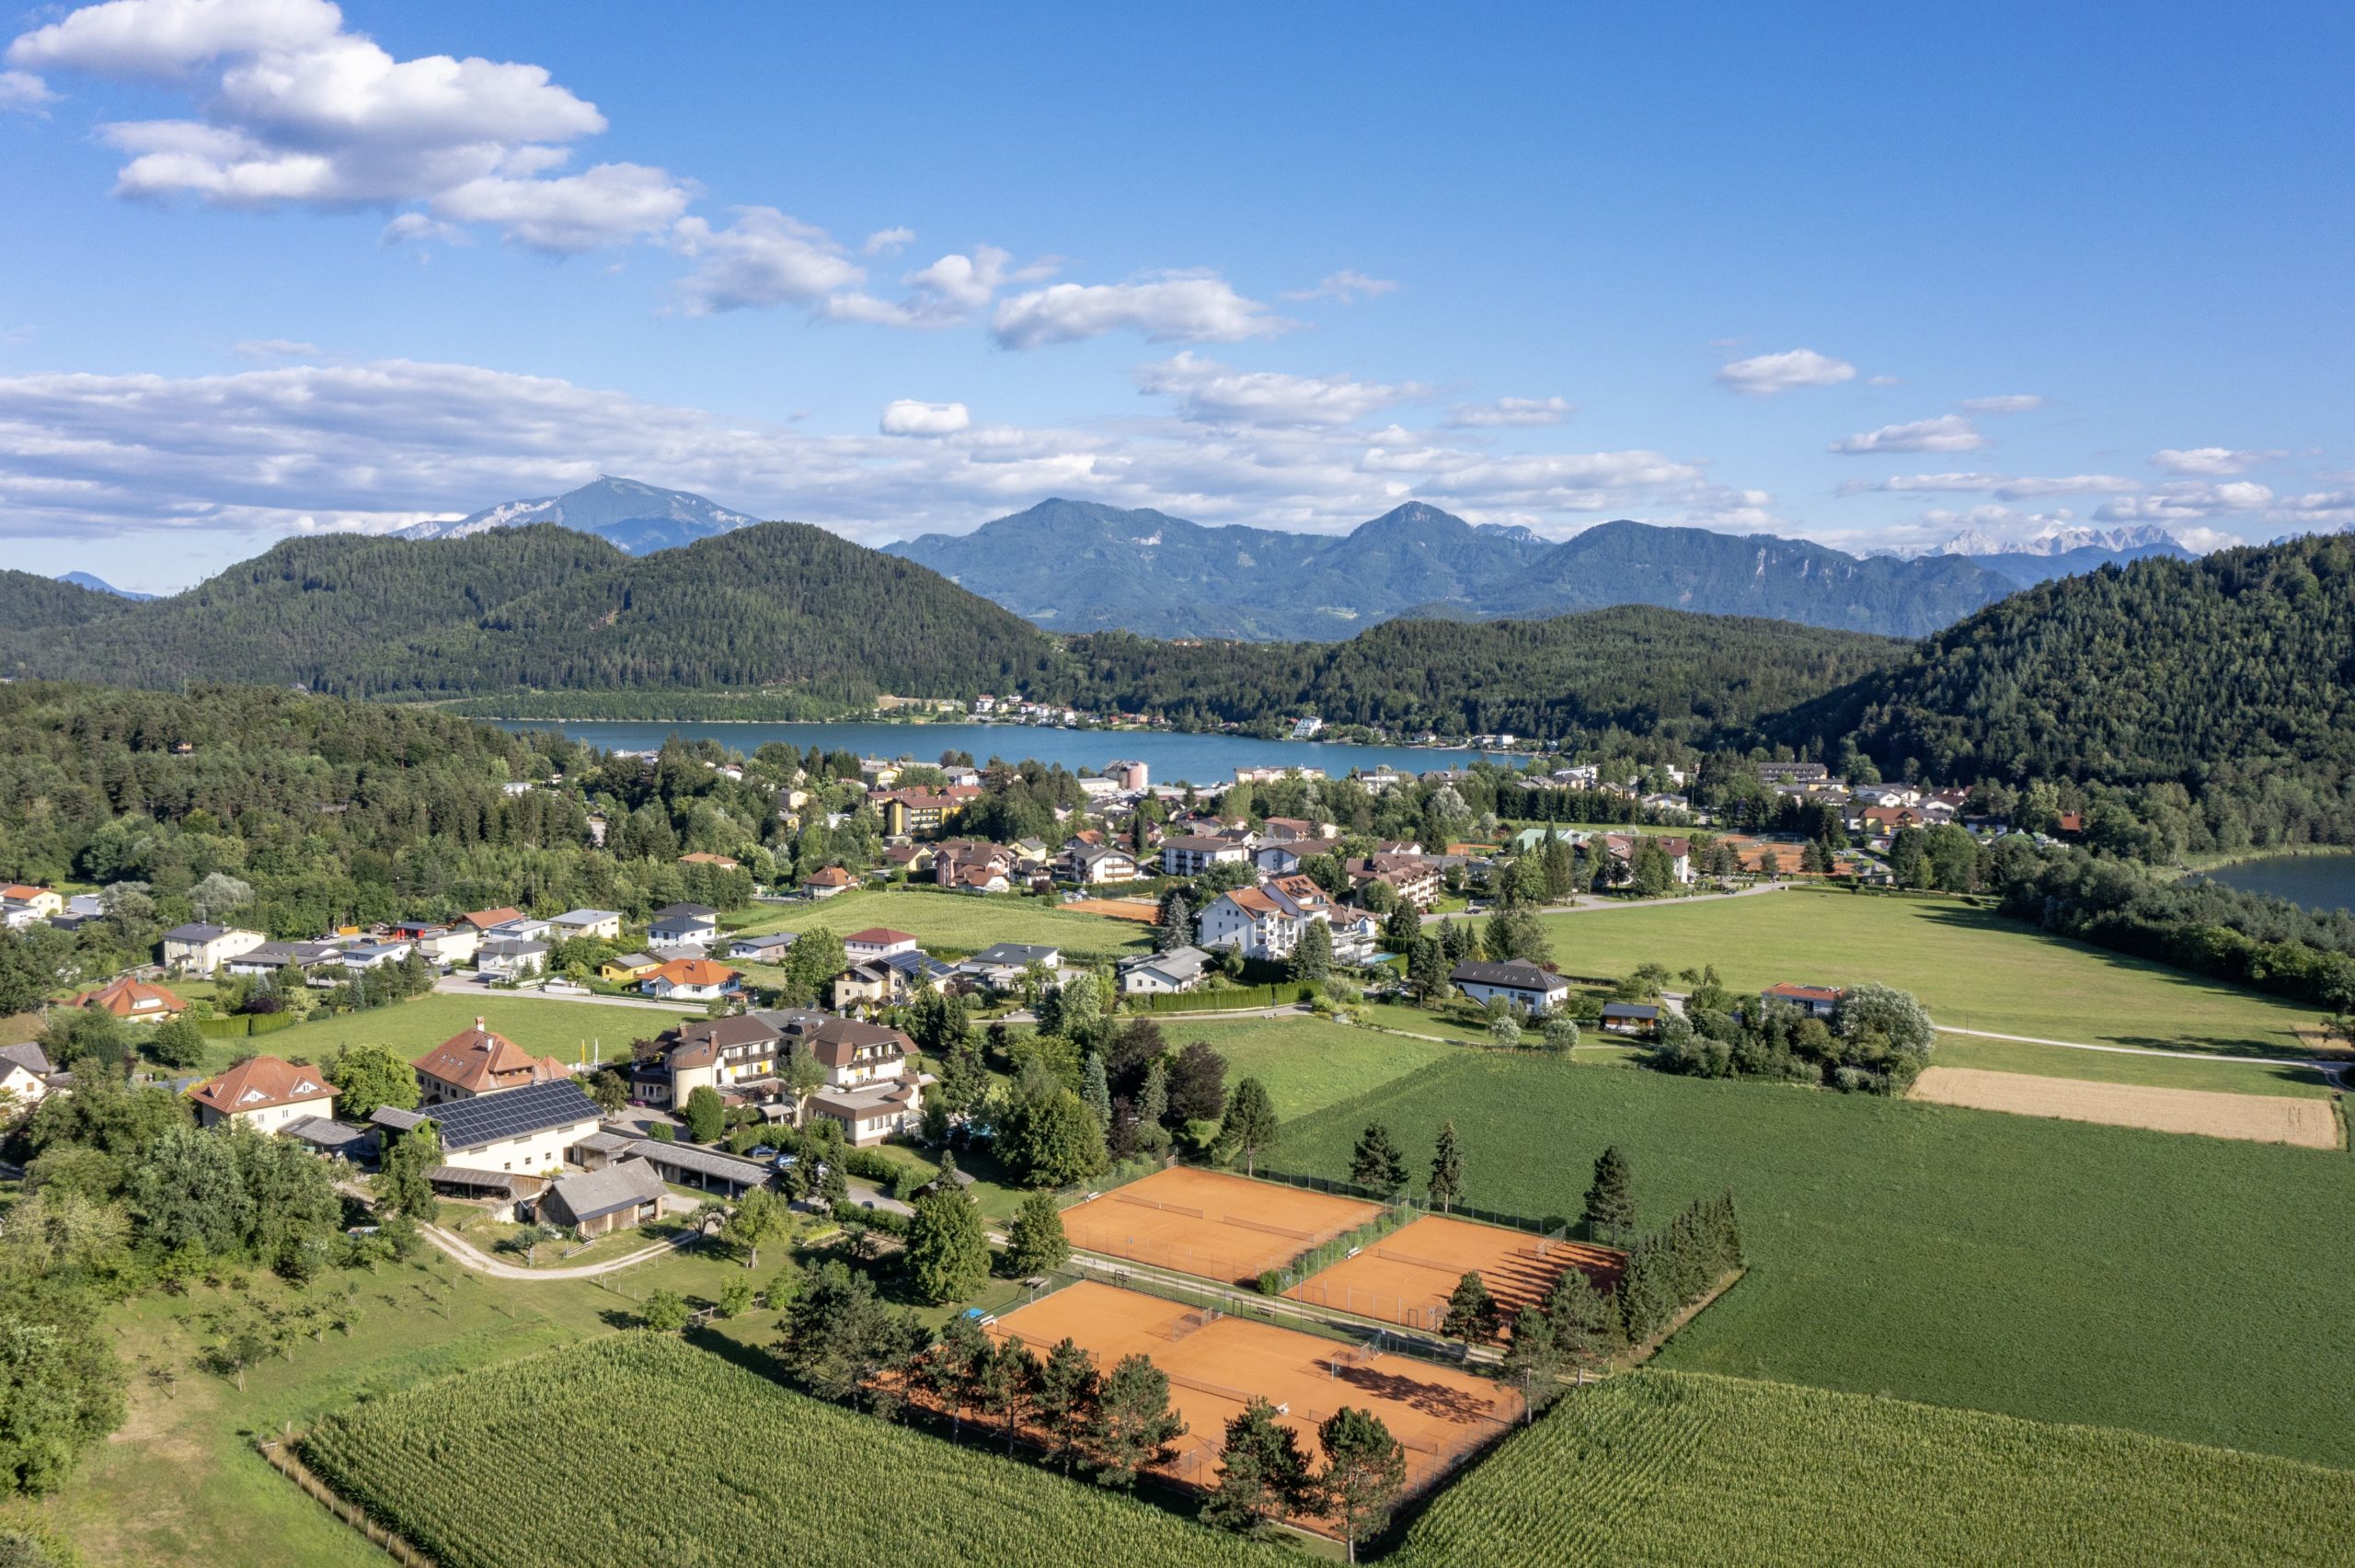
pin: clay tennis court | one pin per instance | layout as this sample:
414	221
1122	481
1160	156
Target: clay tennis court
1217	1364
1211	1224
1407	1275
2259	1118
1144	911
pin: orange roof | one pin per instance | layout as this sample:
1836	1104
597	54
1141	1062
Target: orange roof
23	892
828	877
705	857
482	1063
694	972
1257	902
261	1083
127	997
483	920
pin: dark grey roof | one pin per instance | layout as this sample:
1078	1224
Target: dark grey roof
324	1132
1639	1010
1017	954
512	1113
397	1119
685	912
507	1182
595	1194
29	1056
1520	975
195	931
705	1162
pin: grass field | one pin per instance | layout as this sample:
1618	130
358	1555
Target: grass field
714	1463
1306	1063
561	1029
1664	1467
2188	1286
1972	970
959	924
2223	1076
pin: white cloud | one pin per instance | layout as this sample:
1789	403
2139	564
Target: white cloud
265	451
1884	381
416	228
1948	432
1346	287
293	110
2010	486
762	258
1210	393
2317	510
23	90
264	349
2187	501
906	416
2011	403
2215	461
1169	307
887	242
952	290
1507	411
1763	375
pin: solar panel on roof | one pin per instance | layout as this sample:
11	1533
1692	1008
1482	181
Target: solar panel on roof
513	1113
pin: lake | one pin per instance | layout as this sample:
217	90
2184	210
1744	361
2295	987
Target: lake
2323	882
1171	758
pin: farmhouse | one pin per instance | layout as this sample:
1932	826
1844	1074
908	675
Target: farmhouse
615	1197
1526	985
525	1130
264	1094
1819	1002
475	1062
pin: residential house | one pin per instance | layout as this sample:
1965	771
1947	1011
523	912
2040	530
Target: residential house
1001	966
526	1131
200	948
768	949
448	945
616	1197
1412	877
507	960
1282	830
135	1001
908	813
876	941
869	983
705	857
264	1094
1282	857
374	955
1631	1017
1162	974
1264	922
691	979
623	967
1091	865
869	1117
44	902
974	866
483	920
523	928
27	1078
475	1062
737	1056
914	859
827	881
683	925
272	957
1818	1001
1190	855
1802	773
605	925
1530	987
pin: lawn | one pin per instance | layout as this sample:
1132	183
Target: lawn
2190	1287
1679	1468
959	924
1972	969
1306	1063
752	1459
568	1031
2227	1077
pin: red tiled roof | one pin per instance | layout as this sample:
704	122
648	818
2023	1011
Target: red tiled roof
261	1083
483	920
827	876
877	936
127	997
694	972
481	1062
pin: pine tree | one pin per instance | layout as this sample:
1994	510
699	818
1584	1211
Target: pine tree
1365	1469
1312	956
1377	1164
1472	1311
1400	930
1263	1474
1069	1385
1035	1240
1582	1318
1532	1359
1250	1128
1611	1201
1177	925
1096	1091
1447	1167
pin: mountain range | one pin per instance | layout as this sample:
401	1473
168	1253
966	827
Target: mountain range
99	585
638	519
1080	565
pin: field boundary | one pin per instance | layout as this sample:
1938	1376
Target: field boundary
280	1456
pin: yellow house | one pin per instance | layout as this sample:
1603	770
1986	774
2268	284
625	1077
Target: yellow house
623	967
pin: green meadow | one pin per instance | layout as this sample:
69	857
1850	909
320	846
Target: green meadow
960	924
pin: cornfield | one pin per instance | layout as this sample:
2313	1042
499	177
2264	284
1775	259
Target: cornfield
1683	1468
636	1448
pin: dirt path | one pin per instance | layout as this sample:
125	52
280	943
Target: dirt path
465	1254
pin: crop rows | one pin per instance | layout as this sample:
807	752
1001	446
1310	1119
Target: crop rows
636	1448
1683	1468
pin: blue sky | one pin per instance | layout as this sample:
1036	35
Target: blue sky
1847	273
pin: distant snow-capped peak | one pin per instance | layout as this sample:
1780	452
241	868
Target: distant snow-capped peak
2058	540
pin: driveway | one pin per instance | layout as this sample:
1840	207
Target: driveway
465	1254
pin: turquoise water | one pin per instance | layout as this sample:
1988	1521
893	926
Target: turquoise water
2323	882
1171	758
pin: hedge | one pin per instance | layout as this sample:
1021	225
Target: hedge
1282	995
239	1026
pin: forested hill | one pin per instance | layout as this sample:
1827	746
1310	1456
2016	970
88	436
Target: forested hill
1635	669
27	600
2238	668
780	603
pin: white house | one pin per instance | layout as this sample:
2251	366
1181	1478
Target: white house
1528	985
374	955
204	948
876	941
510	961
1161	974
25	1072
1264	922
263	1092
526	1129
769	949
677	925
605	925
1190	855
690	980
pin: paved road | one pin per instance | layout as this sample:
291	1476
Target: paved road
2323	1063
455	985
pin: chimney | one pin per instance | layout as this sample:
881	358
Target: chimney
479	1026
